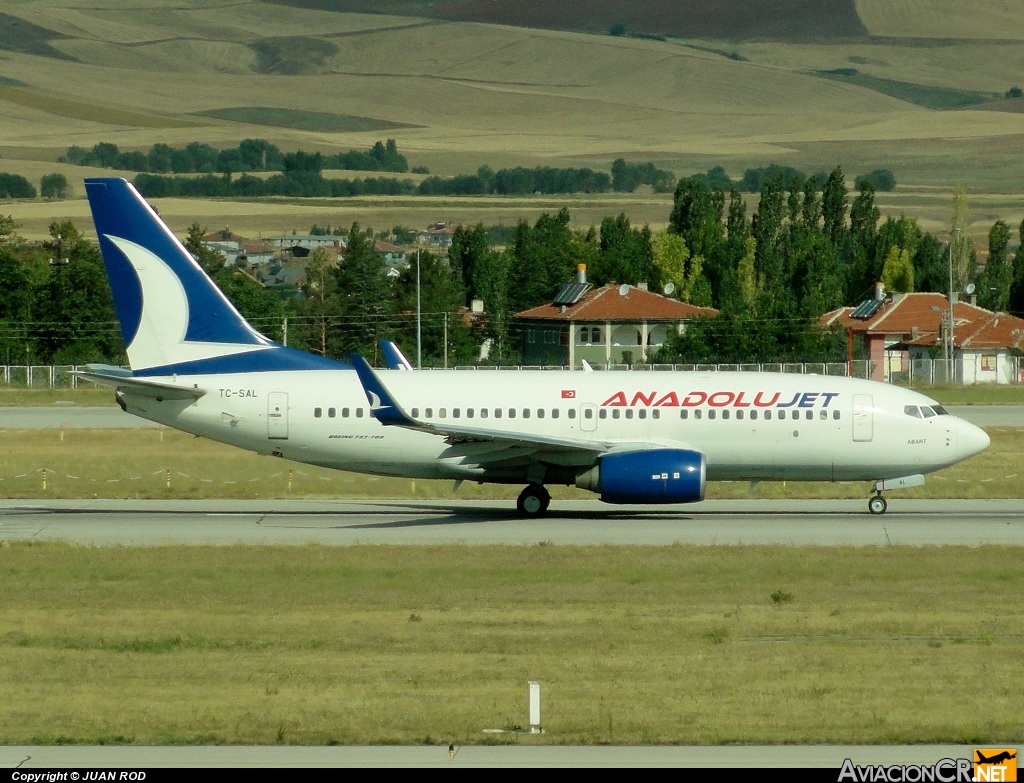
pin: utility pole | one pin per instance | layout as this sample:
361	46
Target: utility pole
949	331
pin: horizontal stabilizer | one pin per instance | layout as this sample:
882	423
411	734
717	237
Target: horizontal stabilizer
122	380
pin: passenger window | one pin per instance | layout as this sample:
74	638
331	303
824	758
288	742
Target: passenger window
711	413
469	413
753	415
739	414
725	414
782	414
697	413
823	415
317	413
835	414
912	410
359	413
511	413
456	413
429	413
483	413
526	413
344	413
655	414
767	415
808	415
641	414
602	414
540	413
331	413
442	413
587	414
554	413
571	413
497	413
415	413
683	413
616	413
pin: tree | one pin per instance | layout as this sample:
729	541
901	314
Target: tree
1016	303
833	206
364	297
320	307
897	271
626	255
997	277
961	242
54	186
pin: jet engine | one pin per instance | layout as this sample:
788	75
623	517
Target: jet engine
648	476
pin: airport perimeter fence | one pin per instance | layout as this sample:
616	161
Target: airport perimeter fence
918	371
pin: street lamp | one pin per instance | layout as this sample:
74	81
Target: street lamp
419	317
951	374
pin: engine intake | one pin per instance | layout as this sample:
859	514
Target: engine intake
649	476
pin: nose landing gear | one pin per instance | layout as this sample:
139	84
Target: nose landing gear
533	501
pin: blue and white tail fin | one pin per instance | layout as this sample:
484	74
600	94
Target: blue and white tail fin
173	318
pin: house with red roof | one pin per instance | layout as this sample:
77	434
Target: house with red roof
900	330
612	324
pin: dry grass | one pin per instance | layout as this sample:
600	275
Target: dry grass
632	645
505	96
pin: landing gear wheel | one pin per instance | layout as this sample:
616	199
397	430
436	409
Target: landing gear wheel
533	501
877	505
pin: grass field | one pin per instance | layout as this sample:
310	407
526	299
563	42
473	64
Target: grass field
632	645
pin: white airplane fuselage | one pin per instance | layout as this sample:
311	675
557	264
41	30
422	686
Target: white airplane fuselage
749	426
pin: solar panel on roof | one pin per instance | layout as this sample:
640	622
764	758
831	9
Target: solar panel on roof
570	293
866	309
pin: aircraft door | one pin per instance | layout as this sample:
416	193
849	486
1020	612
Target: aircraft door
588	417
863	418
277	415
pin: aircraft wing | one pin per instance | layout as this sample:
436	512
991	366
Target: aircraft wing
118	378
478	444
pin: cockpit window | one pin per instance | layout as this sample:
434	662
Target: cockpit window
928	412
939	410
912	410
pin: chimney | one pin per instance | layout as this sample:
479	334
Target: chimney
581	273
879	291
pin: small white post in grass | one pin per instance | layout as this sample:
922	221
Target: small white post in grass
535	707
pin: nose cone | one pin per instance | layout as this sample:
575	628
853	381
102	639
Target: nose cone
970	439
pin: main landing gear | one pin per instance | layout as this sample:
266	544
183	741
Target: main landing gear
877	504
533	501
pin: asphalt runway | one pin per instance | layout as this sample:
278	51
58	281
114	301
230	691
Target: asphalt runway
27	758
112	418
346	523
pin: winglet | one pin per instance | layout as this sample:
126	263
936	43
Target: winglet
393	356
383	406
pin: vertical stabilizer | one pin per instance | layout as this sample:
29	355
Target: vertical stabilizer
173	317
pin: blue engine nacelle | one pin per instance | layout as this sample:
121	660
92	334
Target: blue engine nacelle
649	476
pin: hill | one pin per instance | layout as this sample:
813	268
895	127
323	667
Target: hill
781	20
457	95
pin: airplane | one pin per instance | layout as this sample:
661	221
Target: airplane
631	437
996	759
